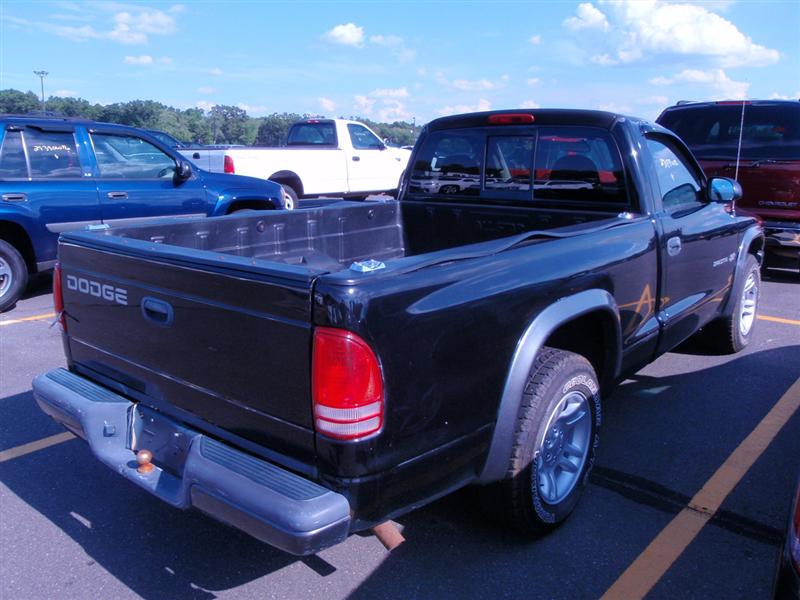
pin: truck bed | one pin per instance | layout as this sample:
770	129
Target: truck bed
333	238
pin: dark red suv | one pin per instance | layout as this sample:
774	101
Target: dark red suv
756	142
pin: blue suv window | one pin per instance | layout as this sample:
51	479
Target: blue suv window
130	157
12	157
51	155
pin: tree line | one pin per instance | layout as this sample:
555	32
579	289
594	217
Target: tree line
222	124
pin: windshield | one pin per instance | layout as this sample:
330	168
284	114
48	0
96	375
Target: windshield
712	131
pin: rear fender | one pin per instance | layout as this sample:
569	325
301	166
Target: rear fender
529	345
752	243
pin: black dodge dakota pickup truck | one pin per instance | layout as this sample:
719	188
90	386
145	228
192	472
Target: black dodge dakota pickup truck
306	374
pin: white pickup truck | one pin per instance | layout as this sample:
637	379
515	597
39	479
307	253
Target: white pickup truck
321	157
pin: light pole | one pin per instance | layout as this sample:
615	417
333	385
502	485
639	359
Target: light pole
41	75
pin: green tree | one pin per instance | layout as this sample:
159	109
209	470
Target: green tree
228	124
73	107
16	102
275	128
198	126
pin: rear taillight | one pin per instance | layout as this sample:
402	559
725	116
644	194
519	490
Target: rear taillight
346	385
794	535
58	297
227	165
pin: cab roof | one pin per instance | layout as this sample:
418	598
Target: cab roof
541	116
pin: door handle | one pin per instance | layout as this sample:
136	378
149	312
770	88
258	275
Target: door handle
157	311
117	195
14	197
356	158
674	246
196	155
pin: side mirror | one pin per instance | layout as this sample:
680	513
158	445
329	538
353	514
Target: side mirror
723	190
184	171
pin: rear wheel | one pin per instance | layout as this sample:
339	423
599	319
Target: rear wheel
289	197
13	275
555	442
731	334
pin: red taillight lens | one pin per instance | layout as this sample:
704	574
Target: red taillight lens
58	297
346	385
227	165
510	119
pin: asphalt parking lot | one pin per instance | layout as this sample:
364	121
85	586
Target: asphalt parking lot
655	516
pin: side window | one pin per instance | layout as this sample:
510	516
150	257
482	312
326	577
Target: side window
449	162
579	164
508	163
680	188
130	157
12	157
52	154
363	138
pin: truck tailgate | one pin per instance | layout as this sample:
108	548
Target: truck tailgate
227	345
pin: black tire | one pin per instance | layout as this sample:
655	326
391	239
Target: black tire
732	334
558	381
290	198
13	276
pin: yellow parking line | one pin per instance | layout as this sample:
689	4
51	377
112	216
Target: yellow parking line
778	320
49	315
648	568
24	449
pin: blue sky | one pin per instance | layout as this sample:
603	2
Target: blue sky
404	60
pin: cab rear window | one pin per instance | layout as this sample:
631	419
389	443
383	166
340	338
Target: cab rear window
321	133
549	165
712	131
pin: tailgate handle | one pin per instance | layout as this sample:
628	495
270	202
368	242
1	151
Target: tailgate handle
157	311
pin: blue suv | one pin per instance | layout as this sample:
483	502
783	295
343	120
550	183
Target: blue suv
59	174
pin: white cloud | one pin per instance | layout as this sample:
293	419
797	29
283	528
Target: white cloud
206	90
348	34
659	100
588	17
616	108
535	40
396	44
777	96
134	27
363	105
216	71
533	81
65	94
165	60
328	105
393	110
636	29
389	103
723	86
604	60
390	93
471	86
205	105
529	104
481	105
144	59
130	24
386	40
422	72
253	109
